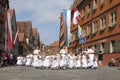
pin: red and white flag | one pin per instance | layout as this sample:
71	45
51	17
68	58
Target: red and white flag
76	16
14	41
9	29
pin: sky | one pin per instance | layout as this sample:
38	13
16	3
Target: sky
44	15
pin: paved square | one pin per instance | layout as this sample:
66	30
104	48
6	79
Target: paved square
30	73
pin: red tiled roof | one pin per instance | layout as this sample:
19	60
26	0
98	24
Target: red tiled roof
20	37
25	27
55	44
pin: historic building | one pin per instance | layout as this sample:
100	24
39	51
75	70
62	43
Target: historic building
100	23
4	5
25	37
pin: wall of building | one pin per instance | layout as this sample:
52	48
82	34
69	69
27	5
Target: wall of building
106	36
3	5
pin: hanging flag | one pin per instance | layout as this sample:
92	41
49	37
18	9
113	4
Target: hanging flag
9	30
67	20
14	41
79	31
76	16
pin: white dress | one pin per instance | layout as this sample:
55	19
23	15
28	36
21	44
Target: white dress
78	61
28	60
47	62
63	51
63	61
38	62
91	56
35	62
84	61
95	63
56	62
20	61
71	62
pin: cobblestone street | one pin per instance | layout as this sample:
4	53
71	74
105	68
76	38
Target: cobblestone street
30	73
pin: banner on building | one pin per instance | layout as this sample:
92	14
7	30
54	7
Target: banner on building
67	20
9	29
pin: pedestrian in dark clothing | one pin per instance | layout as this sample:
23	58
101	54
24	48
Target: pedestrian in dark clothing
100	58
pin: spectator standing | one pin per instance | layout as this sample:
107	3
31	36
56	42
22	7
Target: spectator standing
100	58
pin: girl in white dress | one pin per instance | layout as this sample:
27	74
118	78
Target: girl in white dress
56	62
78	61
29	60
20	60
72	61
47	61
63	61
95	62
84	60
36	53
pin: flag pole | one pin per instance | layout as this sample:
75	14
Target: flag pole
66	49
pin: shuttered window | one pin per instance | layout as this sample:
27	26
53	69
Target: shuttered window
117	45
98	47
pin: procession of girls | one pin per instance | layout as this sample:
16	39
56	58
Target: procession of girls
86	59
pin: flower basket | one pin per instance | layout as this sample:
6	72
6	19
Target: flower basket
102	2
94	8
112	25
102	28
94	32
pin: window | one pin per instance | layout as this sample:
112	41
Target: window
102	2
83	32
95	2
102	47
95	27
113	19
89	30
83	13
102	23
112	46
89	9
89	6
94	5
